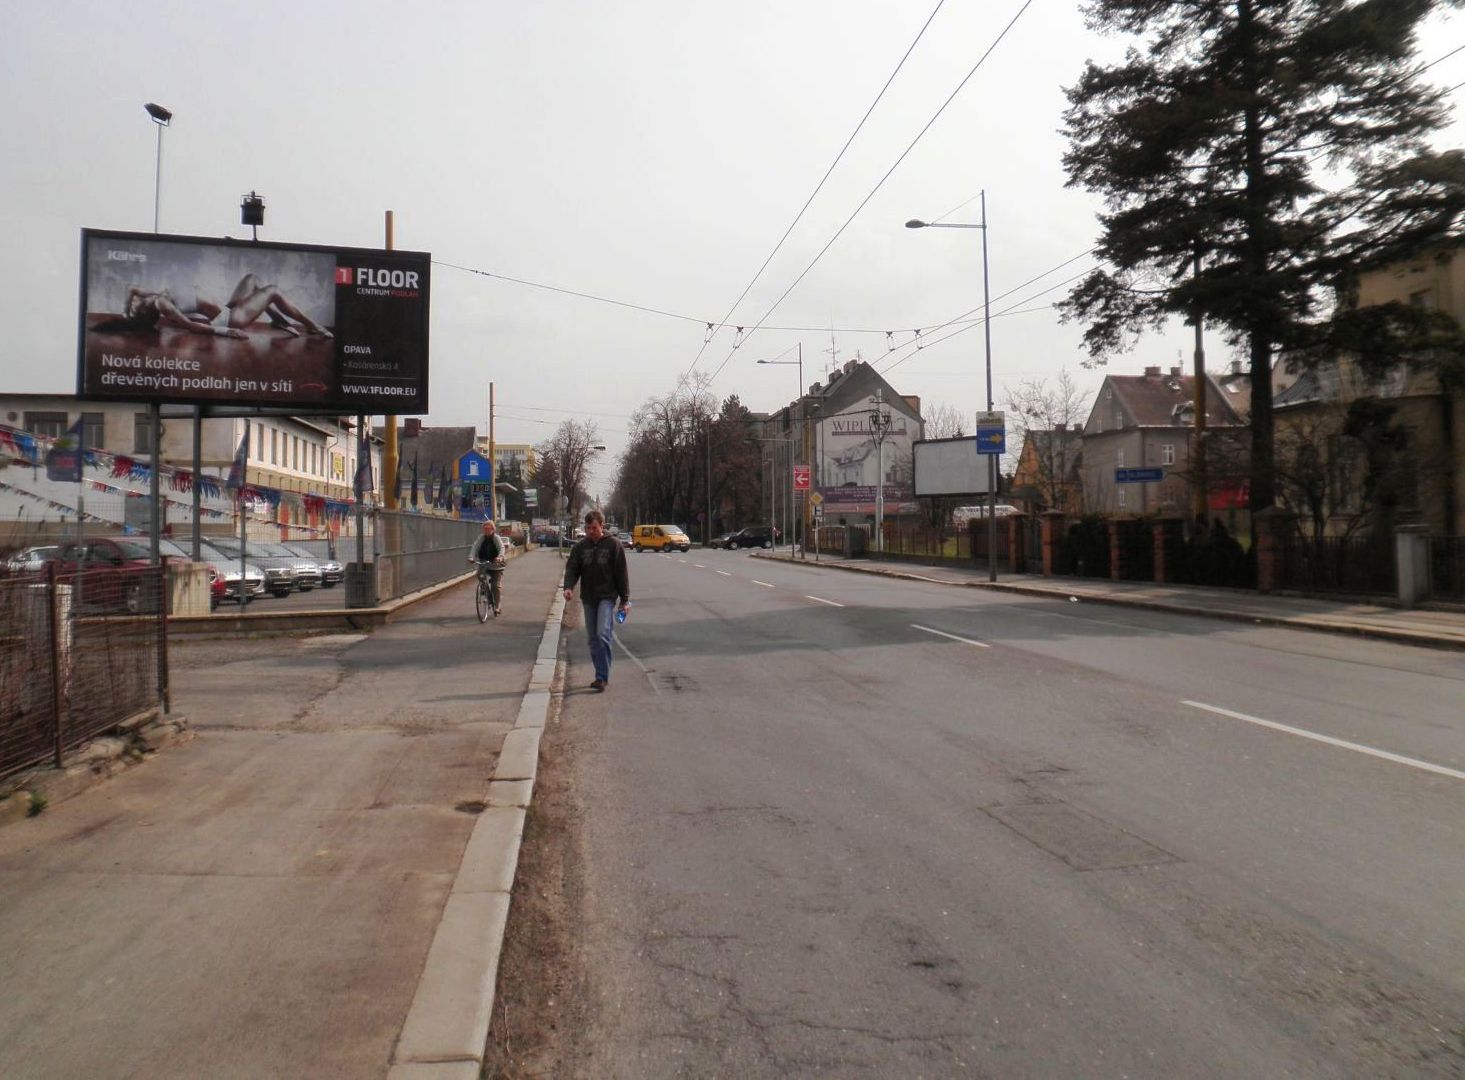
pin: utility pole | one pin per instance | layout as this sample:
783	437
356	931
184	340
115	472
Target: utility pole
493	479
879	425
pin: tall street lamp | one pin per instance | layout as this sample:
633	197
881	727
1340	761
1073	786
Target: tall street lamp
803	435
162	117
916	223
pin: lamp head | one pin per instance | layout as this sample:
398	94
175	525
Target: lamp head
159	114
915	223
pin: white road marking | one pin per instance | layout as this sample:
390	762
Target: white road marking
1358	747
699	566
821	600
725	573
637	661
953	637
764	584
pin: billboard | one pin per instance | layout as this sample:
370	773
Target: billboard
951	467
193	320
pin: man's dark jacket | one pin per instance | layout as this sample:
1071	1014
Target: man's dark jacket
600	568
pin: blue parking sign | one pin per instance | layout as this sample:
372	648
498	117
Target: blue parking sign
991	433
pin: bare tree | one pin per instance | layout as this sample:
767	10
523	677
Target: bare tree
943	421
564	460
1047	422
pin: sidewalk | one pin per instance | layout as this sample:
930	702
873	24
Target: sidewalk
1412	626
325	856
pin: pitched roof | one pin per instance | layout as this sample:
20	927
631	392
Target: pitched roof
1156	400
433	448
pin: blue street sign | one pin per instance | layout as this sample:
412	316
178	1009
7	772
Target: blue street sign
991	433
1139	476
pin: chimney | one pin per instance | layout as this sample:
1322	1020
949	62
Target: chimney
849	365
1152	372
1060	427
1176	372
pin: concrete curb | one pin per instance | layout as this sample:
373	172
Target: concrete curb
446	1031
1317	623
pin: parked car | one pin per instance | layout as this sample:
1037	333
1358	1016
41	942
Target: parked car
625	539
224	584
307	570
331	570
659	538
720	541
278	570
31	560
113	573
762	536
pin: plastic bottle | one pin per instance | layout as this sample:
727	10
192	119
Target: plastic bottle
621	614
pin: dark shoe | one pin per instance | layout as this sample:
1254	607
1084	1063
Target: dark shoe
598	686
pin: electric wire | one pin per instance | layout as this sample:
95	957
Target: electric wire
865	201
818	187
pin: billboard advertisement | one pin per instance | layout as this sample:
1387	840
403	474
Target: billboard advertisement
192	320
951	467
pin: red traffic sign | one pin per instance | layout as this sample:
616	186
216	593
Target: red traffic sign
801	478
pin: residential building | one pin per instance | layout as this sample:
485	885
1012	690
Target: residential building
1359	453
1048	474
1147	421
830	428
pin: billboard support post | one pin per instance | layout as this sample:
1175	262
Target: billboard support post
155	517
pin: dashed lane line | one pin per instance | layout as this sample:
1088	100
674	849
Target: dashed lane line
765	584
725	573
953	637
1359	748
821	600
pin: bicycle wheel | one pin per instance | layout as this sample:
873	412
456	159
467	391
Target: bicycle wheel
481	600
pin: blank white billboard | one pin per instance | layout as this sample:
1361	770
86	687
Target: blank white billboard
950	467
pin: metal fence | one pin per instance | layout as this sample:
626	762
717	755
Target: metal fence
1447	567
83	652
414	551
1337	564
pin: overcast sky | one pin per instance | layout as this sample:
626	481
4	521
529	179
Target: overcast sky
645	151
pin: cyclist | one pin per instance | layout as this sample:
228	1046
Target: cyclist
490	555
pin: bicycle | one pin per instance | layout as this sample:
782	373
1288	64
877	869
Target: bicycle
488	596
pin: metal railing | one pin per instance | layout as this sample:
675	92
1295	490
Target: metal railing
1446	567
83	652
1339	565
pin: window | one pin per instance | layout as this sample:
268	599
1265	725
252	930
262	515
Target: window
1167	453
93	429
274	447
1424	298
49	424
1118	419
1122	494
142	434
1119	459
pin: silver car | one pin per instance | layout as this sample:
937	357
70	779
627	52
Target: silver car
279	570
223	567
307	570
331	570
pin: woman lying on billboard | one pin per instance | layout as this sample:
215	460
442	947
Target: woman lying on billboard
189	309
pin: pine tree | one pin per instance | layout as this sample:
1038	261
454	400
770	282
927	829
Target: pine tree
1252	157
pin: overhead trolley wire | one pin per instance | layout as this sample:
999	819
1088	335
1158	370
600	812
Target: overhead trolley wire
817	188
904	153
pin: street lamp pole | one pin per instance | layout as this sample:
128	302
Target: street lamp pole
804	422
162	117
879	426
916	223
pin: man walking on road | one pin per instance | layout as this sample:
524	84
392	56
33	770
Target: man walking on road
598	563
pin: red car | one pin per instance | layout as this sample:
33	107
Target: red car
116	574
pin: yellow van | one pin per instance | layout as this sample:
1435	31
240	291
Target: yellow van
659	538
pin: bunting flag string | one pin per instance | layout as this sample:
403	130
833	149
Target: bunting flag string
181	480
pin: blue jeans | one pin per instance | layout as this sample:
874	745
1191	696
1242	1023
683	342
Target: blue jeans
600	629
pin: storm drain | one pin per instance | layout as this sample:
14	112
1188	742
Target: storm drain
1081	840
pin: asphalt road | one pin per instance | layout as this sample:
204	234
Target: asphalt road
839	825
